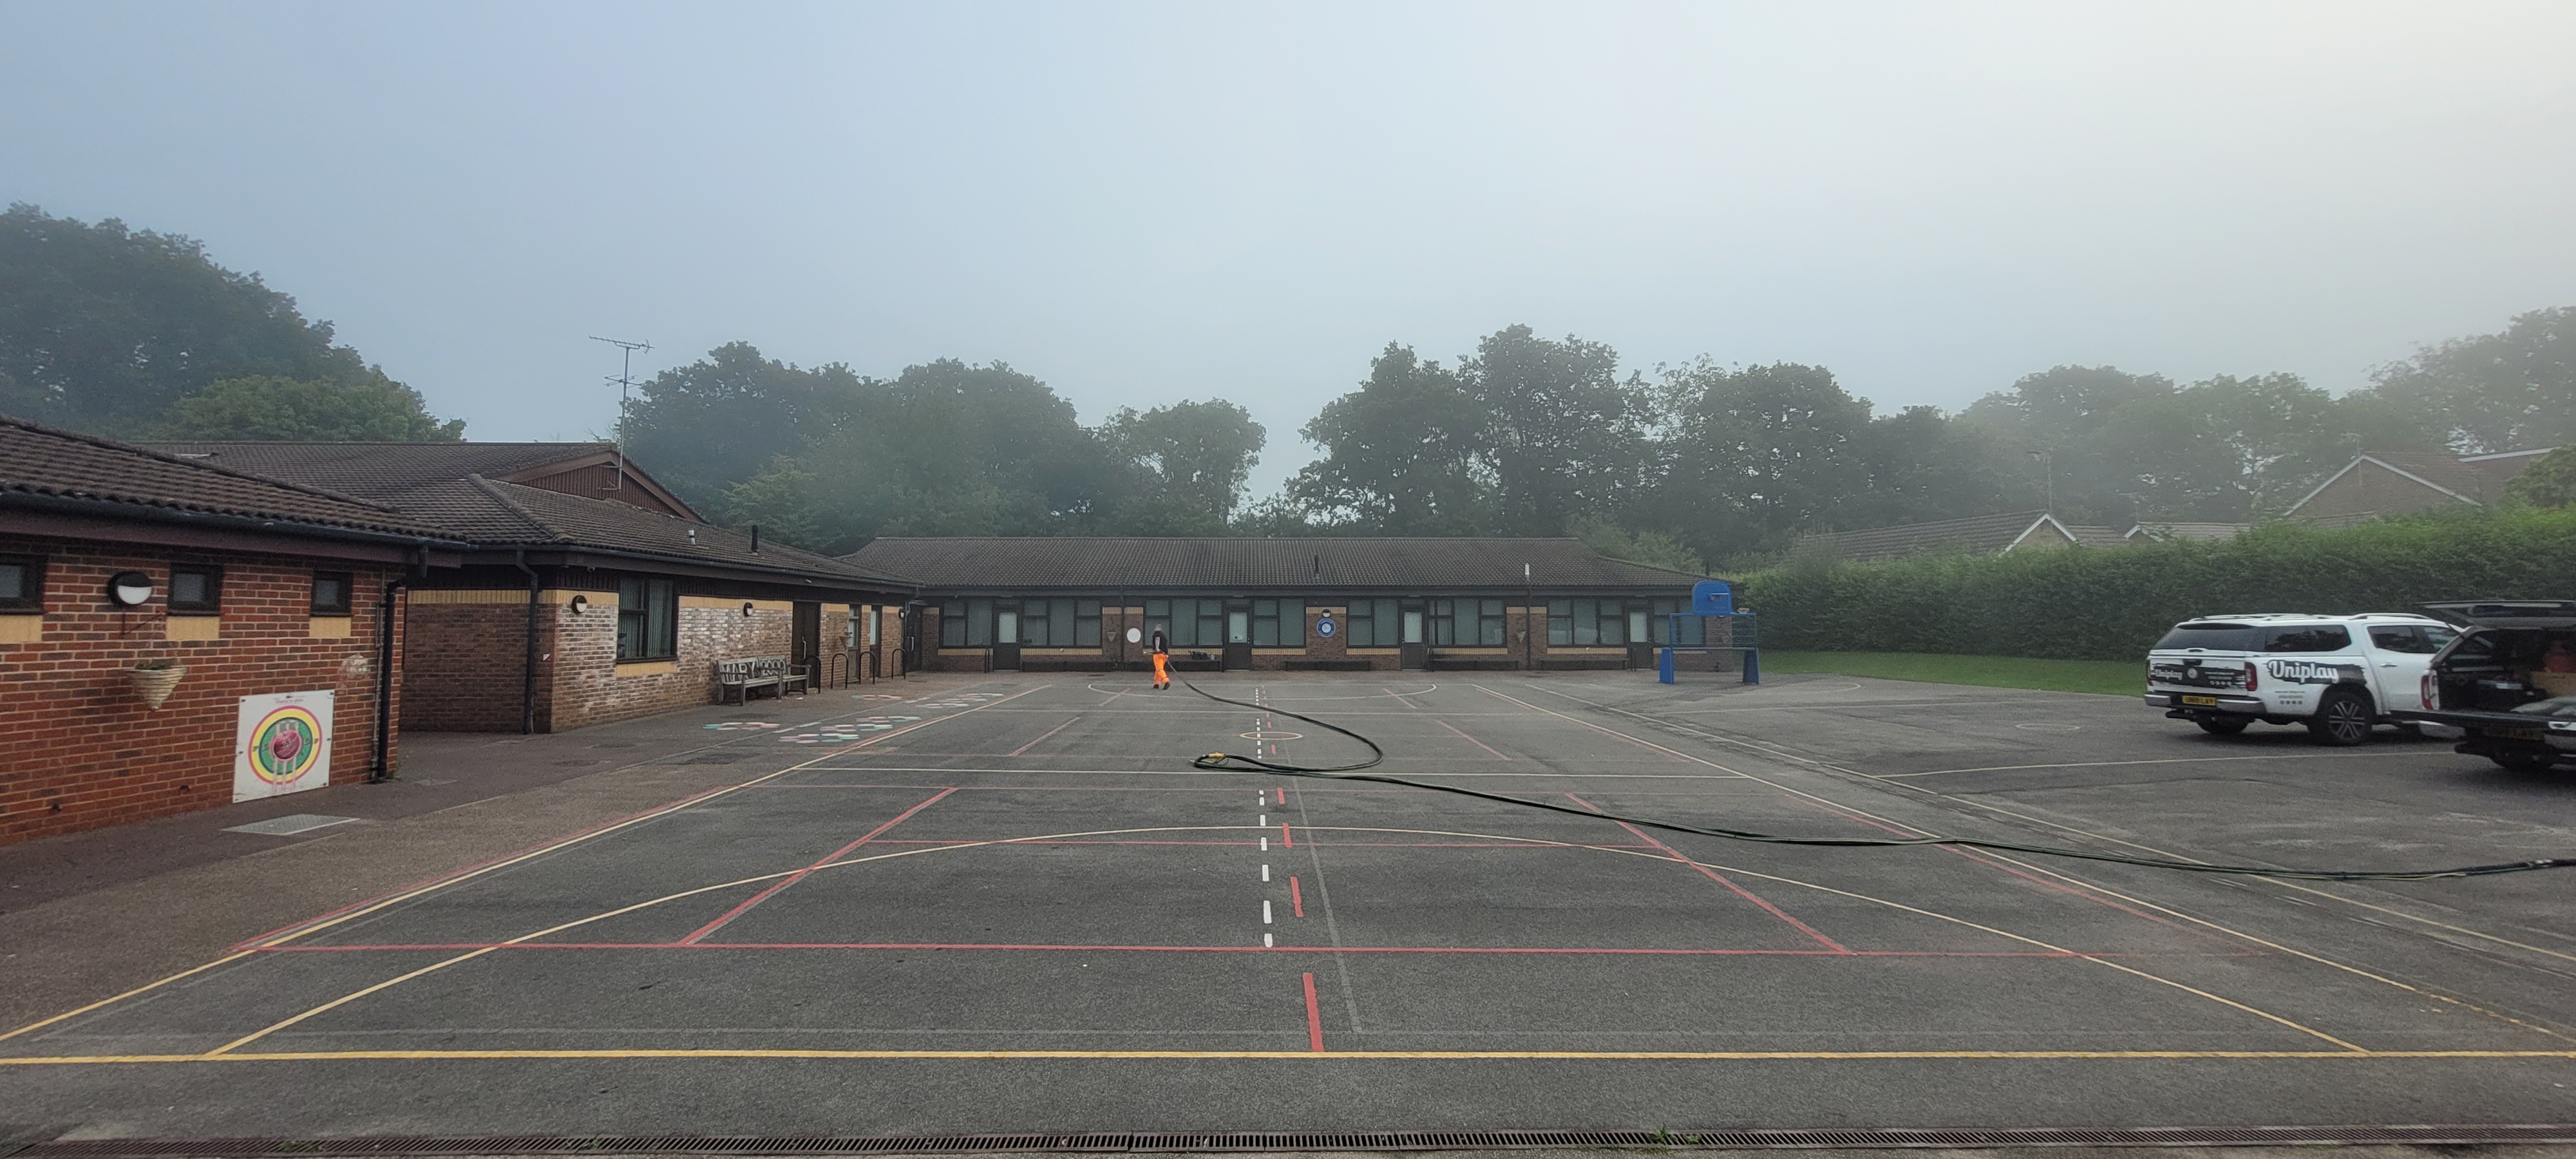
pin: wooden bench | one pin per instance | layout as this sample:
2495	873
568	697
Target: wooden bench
736	678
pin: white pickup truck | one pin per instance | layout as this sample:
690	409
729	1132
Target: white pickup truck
2338	675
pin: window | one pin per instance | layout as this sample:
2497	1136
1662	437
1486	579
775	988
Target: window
1374	624
1659	625
1211	623
876	626
1489	623
1158	618
331	593
1059	623
648	619
2413	640
850	629
2322	638
1586	623
1266	616
22	583
196	587
979	623
952	624
1444	623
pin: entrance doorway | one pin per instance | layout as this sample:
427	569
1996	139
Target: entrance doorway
1006	641
1416	654
805	641
1238	639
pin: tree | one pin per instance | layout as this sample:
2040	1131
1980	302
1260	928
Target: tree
1199	454
1647	547
1918	465
718	422
1763	452
2551	482
1400	453
2509	391
944	449
104	329
2055	408
270	407
1561	430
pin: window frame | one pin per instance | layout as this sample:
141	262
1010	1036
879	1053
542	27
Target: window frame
31	597
348	593
212	605
1492	624
655	611
1086	623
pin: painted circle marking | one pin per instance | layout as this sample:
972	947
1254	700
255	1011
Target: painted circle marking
285	745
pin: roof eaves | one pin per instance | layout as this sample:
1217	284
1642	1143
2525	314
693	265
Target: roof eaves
193	464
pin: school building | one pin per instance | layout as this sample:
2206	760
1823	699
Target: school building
1301	604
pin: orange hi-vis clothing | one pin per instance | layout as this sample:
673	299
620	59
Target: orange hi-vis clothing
1162	679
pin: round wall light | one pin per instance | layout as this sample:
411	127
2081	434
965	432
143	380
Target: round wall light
579	601
130	589
746	607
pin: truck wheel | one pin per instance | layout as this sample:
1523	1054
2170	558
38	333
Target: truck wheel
2343	719
2221	725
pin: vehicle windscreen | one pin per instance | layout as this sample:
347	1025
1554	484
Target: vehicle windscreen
2213	635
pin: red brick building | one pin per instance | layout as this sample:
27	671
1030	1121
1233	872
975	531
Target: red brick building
1317	604
249	590
590	592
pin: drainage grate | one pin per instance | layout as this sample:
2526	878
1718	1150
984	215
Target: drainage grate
289	825
1295	1141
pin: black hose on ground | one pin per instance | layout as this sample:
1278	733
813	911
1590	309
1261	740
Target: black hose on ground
1350	772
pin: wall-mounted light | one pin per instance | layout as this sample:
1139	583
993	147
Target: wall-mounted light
579	601
746	607
130	589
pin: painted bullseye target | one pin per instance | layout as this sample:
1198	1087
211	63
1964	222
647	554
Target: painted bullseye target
285	744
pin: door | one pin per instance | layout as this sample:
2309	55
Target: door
1006	641
1416	655
1238	639
805	632
911	626
1641	647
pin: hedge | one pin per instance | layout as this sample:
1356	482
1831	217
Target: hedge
2112	603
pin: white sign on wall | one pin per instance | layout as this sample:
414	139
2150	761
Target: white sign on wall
282	744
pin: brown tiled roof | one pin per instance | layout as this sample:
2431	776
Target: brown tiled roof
1215	563
1974	535
2480	478
2197	532
380	470
41	462
496	514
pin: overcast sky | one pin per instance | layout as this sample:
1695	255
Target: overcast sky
1140	203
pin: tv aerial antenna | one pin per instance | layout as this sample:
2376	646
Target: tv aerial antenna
625	380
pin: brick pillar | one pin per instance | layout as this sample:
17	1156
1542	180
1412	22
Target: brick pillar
1334	647
1525	632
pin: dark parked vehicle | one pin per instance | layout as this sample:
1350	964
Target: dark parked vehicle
2506	689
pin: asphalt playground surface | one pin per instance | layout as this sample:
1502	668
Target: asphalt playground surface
1009	904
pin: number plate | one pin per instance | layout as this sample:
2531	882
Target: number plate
2513	733
2209	701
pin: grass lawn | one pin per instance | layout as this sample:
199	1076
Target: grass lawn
2108	677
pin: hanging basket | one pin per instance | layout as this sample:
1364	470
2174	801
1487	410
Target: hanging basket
155	685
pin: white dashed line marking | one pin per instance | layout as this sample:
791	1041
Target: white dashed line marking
1265	911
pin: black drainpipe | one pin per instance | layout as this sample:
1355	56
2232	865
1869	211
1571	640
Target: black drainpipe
528	675
382	769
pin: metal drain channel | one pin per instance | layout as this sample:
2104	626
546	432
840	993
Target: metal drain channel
1295	1141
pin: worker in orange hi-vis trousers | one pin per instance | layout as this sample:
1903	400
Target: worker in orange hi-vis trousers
1162	657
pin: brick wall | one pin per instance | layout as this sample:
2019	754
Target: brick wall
78	747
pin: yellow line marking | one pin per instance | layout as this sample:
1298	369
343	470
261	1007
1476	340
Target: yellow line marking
1496	1055
442	883
2105	890
551	930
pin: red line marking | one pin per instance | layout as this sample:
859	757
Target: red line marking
1283	794
1719	878
1471	740
1296	898
1686	952
1033	744
791	879
1983	859
1314	1019
1286	841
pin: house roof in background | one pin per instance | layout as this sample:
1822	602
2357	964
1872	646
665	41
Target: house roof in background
2196	532
2469	478
1974	535
47	463
1218	563
495	514
384	470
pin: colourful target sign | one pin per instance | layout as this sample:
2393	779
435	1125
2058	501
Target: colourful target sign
282	744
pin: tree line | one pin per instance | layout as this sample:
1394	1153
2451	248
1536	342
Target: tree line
139	335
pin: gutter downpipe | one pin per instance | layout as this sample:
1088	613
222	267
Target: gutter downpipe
382	770
528	673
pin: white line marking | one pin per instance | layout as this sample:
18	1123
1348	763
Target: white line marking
1265	820
1265	941
1265	845
1265	873
1265	911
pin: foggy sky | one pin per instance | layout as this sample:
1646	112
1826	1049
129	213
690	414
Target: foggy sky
1141	203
